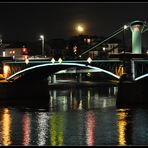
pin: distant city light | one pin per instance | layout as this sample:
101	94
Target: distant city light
103	48
24	49
4	53
88	40
26	60
75	49
6	70
13	57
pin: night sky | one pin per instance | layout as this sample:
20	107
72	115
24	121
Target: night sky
26	21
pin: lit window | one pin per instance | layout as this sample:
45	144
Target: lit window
75	49
24	49
88	40
4	53
103	48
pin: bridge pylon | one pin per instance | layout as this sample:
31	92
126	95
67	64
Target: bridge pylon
137	28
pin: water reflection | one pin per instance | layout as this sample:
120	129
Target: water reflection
42	128
26	129
56	129
122	123
78	99
91	121
84	116
6	127
140	126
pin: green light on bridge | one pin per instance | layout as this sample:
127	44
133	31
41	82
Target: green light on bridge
60	60
52	60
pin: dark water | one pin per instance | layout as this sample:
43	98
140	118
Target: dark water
86	116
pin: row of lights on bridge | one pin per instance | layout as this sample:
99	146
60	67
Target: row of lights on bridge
89	60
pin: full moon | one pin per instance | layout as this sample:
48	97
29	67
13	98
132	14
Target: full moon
80	28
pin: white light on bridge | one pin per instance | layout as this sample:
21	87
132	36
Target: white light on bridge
89	60
26	60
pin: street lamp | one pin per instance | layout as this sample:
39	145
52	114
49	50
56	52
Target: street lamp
42	38
124	45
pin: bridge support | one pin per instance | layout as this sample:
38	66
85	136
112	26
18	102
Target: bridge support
136	28
128	95
53	79
79	77
133	69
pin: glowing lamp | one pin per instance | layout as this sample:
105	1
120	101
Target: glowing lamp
26	60
89	60
52	60
60	60
6	70
24	49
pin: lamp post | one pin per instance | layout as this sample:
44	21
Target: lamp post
124	45
42	38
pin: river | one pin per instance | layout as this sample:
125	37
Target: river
75	116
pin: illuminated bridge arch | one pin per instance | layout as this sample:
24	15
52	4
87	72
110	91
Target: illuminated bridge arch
44	70
141	77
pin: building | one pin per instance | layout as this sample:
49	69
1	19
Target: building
13	50
80	44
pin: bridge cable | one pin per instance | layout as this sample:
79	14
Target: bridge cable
114	34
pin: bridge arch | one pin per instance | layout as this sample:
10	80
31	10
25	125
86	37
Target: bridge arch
57	67
141	77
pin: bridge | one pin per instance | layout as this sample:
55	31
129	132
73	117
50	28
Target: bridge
131	67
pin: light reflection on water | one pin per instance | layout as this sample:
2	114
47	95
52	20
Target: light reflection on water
90	126
79	99
6	127
26	129
122	123
85	116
